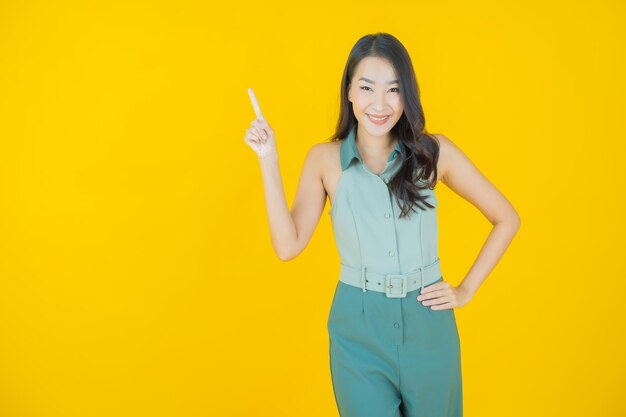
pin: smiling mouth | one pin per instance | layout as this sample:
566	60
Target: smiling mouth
378	119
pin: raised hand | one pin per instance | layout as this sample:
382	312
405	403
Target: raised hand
260	136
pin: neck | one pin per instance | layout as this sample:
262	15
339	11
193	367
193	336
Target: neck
374	145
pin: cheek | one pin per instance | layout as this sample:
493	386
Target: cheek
359	103
398	106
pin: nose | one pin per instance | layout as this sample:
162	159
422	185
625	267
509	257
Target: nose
380	101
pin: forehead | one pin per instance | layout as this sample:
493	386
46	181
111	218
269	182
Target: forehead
375	68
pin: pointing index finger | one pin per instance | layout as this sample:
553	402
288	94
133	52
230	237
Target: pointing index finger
255	104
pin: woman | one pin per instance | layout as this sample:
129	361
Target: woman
394	344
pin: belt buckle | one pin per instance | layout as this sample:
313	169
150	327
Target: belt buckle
389	285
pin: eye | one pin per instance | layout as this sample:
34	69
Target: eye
394	88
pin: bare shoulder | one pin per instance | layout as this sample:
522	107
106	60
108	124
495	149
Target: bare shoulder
324	155
452	158
448	152
328	149
325	159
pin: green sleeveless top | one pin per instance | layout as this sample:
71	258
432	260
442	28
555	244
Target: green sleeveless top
365	218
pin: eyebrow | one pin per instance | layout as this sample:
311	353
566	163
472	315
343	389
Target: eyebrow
372	82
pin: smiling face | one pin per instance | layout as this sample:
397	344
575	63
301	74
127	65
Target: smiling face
375	96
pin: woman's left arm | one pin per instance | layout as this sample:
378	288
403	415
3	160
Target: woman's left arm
458	172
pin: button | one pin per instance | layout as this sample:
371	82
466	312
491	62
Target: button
392	253
387	215
386	180
396	325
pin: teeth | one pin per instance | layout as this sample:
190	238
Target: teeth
378	118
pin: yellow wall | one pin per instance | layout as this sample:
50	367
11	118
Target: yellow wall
135	251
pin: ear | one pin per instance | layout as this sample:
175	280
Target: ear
349	94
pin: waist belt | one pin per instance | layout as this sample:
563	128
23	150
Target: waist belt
393	285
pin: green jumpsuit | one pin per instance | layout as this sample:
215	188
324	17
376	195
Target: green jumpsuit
390	356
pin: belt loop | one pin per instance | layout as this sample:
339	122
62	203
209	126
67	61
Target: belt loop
422	278
363	278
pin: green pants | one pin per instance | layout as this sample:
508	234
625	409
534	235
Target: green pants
392	357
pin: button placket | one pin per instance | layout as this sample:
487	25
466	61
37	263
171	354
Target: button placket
386	214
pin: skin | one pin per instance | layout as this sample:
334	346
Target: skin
291	230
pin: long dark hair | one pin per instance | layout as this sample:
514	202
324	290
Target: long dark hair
422	148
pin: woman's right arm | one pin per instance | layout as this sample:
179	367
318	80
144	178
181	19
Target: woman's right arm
290	231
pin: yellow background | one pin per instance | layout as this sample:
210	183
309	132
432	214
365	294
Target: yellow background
135	251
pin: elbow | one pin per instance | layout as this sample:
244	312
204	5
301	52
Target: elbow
288	252
515	223
286	255
511	222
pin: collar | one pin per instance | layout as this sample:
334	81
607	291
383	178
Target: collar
349	151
